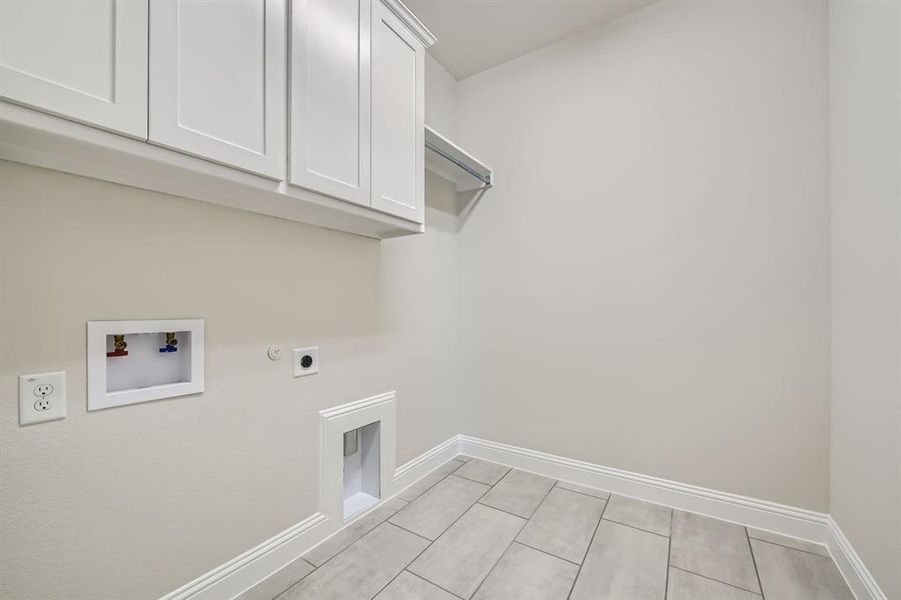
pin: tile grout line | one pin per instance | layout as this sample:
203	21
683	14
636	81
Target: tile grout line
515	541
407	566
597	525
414	533
566	489
423	494
285	589
338	553
430	542
669	555
419	495
523	526
787	547
513	514
404	568
754	560
385	520
638	528
443	531
476	480
726	583
290	585
537	506
563	489
332	557
433	583
494	566
479	502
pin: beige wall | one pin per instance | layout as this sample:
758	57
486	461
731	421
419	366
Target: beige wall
865	492
133	502
440	98
647	286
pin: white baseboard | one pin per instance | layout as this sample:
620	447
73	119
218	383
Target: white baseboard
796	522
245	571
779	518
859	578
240	573
407	474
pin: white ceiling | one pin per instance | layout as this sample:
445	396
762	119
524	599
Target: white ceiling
474	35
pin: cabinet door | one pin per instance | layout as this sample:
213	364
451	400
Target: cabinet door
330	97
81	59
217	81
398	170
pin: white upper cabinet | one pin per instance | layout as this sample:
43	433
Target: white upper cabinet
217	81
398	117
330	118
85	60
203	86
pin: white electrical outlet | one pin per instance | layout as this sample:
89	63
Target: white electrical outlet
42	397
306	361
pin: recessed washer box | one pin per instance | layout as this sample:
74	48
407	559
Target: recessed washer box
138	361
357	456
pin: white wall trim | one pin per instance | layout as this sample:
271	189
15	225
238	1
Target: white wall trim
409	473
788	520
242	572
859	578
334	422
409	19
779	518
245	571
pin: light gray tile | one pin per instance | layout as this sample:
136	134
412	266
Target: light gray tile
583	489
519	492
790	542
417	489
460	559
563	524
410	587
347	536
361	570
688	586
434	511
637	513
482	471
526	574
463	458
623	563
788	574
714	549
279	581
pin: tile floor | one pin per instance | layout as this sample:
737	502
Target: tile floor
476	530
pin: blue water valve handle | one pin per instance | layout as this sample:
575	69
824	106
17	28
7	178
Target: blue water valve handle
171	343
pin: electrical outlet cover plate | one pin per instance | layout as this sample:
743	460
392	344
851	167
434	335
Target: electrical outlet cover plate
42	397
299	354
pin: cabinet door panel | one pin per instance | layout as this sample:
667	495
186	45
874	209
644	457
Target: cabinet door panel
330	97
85	60
217	81
398	170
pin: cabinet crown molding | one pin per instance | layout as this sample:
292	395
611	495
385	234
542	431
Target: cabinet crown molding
412	21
